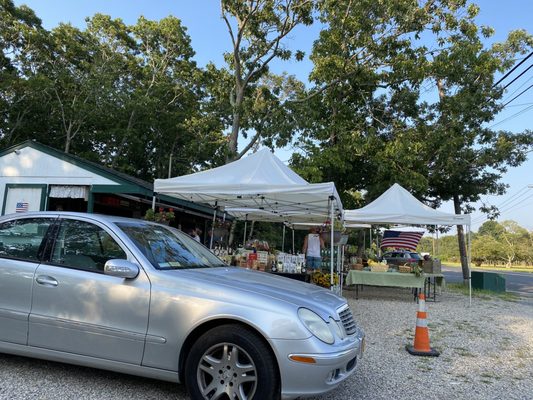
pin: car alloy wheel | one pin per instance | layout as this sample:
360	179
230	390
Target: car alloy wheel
227	371
231	362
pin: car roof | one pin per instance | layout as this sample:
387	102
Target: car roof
55	214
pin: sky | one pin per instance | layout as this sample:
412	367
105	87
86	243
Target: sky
210	40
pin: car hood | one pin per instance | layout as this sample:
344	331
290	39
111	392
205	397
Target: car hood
270	286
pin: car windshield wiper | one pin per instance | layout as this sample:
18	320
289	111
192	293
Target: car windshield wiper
192	266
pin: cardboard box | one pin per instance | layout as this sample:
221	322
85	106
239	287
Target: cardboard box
432	266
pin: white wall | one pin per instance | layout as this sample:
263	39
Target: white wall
31	166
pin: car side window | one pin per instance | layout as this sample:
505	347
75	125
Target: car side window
23	238
85	246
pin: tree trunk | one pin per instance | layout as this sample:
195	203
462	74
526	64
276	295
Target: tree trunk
461	239
231	237
235	127
251	229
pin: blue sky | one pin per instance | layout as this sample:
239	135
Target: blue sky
210	39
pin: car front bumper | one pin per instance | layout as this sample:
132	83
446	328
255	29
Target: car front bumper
301	379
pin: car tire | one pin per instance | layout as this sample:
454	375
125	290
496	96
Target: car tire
231	362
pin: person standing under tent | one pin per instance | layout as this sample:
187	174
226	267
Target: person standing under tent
196	234
313	244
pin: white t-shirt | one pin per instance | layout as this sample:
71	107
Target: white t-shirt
313	245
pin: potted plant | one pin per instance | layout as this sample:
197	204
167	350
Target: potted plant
161	216
221	229
338	230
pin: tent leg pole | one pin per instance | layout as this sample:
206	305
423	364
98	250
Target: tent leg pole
293	242
332	245
153	202
341	268
469	268
213	227
245	227
283	240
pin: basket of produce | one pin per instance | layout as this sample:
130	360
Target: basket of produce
405	269
379	267
357	267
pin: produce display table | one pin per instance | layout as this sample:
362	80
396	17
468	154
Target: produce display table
433	280
298	277
392	279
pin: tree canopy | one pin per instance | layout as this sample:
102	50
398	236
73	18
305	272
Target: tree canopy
400	91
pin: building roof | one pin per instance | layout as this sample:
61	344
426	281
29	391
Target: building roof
126	184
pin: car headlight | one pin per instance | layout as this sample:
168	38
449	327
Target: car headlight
337	328
316	325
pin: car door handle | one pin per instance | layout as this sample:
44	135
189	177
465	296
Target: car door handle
46	280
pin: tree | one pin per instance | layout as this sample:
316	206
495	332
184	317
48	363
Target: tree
467	157
257	29
21	35
491	228
372	123
129	96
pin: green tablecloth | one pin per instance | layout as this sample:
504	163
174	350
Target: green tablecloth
384	279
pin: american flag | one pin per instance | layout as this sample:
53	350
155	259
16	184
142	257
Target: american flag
401	239
21	207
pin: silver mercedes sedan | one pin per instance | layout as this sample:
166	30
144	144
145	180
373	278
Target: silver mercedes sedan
144	299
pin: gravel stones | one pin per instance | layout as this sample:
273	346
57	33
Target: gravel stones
486	353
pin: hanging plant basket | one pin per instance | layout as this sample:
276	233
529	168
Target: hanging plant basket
220	233
326	236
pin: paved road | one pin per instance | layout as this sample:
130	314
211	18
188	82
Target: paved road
520	283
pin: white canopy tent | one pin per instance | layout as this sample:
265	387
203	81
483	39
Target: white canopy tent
397	206
258	186
257	182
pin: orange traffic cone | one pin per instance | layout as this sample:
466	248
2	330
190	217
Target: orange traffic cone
421	346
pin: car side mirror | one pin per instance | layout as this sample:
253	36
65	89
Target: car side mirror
121	269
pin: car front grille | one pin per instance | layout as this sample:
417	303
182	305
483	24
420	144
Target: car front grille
347	321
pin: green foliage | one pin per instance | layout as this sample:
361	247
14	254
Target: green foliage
129	96
369	122
495	243
161	215
258	99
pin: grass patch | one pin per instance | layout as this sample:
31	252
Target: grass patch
519	268
464	352
482	294
523	353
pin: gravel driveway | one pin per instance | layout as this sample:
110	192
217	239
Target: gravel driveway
487	353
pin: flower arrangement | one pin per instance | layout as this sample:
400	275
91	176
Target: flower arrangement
161	216
324	280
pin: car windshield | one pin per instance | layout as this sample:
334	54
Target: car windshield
169	248
416	256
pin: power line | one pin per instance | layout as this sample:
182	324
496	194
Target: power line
518	95
522	73
511	198
521	104
520	87
509	207
512	116
505	210
512	70
506	203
